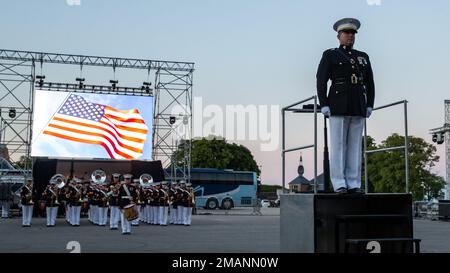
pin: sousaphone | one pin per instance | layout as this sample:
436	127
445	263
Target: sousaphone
98	177
58	180
145	180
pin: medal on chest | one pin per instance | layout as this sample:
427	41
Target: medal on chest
362	61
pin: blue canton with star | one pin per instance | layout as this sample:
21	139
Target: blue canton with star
77	106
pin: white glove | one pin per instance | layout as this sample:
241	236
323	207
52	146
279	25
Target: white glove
325	111
369	111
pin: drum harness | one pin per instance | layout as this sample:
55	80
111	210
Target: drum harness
127	191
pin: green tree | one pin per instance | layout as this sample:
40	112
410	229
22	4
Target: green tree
23	163
270	188
386	170
214	152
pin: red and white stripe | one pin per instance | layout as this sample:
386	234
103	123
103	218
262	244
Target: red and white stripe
121	133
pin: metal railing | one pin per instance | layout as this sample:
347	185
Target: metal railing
403	147
284	150
291	108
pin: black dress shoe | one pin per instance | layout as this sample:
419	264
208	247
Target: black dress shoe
355	191
341	190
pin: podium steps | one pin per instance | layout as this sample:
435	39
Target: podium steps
333	223
381	219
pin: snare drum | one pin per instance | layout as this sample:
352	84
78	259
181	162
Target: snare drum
130	213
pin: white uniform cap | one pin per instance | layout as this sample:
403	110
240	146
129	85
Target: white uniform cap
347	24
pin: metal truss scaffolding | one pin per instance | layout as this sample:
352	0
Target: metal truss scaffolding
172	124
172	121
447	146
444	134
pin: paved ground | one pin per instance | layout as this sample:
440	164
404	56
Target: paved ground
435	235
233	231
208	233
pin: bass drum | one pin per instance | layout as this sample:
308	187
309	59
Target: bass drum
130	212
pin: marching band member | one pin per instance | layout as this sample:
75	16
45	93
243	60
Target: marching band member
115	178
70	195
141	202
114	203
137	201
154	203
144	206
185	204
26	195
179	200
127	193
190	205
114	217
163	204
76	198
50	195
90	194
173	204
94	204
64	197
103	205
149	207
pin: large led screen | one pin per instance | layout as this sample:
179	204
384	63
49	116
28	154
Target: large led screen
84	125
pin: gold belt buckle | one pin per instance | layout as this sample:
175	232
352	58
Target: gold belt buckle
354	79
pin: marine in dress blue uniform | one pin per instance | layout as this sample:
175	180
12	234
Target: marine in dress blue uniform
26	200
347	103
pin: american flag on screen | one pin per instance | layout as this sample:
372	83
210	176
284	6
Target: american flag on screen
121	132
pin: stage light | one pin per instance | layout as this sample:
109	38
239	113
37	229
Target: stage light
172	120
80	82
440	138
434	138
146	86
114	83
40	80
12	113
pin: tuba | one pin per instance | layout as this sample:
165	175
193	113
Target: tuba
145	180
98	177
58	181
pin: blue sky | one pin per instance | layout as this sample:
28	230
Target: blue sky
260	52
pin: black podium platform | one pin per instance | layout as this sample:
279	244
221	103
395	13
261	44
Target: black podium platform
332	223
